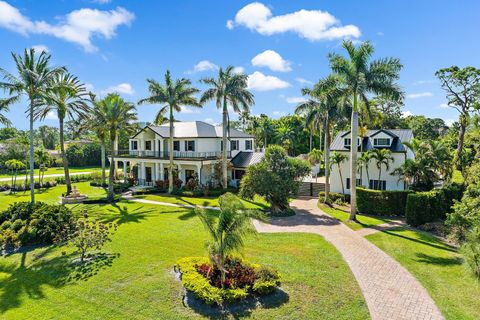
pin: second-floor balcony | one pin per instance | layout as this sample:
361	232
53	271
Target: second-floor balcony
166	155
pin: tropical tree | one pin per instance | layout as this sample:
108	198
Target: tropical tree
101	131
228	230
337	158
382	157
264	129
34	75
116	115
67	98
14	166
43	160
173	95
364	162
315	157
362	76
228	89
5	104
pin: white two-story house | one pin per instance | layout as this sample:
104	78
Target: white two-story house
391	139
197	147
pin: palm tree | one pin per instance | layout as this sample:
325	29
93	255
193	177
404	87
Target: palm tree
42	157
100	130
116	115
229	89
361	77
34	75
5	104
14	165
172	95
66	96
285	135
382	157
364	162
228	231
337	159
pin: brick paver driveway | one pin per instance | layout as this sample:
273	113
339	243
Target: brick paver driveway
390	291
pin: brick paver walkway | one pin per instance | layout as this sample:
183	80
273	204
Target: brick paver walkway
390	291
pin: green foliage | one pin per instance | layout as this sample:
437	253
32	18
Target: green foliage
79	155
276	178
334	196
268	279
471	251
425	128
383	203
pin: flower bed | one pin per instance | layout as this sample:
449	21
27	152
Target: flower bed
242	280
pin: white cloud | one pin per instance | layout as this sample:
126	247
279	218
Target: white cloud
102	1
51	115
406	114
303	81
89	87
185	109
78	26
203	65
295	100
419	95
420	82
209	120
230	25
279	113
449	122
40	47
310	24
239	70
380	33
260	82
271	60
122	88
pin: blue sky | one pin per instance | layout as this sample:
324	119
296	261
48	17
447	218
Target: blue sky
282	45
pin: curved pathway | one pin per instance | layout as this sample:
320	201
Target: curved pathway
390	291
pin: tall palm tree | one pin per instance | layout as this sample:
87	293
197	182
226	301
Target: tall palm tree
228	89
67	97
285	136
101	131
382	157
361	77
337	159
228	231
172	95
116	115
5	104
42	157
34	75
364	162
325	104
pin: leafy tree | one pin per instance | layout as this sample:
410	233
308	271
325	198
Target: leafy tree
426	128
228	231
34	76
386	113
471	251
362	76
174	94
116	115
7	133
382	157
462	86
276	178
14	166
43	159
229	88
337	158
48	135
5	104
67	97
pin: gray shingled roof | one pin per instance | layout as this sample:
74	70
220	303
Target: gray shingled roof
196	129
243	159
399	136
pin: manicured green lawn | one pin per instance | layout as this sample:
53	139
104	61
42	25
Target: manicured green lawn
257	202
56	170
138	283
364	221
437	266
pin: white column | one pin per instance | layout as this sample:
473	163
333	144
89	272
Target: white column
124	171
180	173
142	171
199	172
161	172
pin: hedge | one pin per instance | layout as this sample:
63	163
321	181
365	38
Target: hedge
384	203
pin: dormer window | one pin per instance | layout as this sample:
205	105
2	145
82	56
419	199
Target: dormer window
381	142
348	142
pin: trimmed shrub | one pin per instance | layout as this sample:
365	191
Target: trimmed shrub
384	203
334	196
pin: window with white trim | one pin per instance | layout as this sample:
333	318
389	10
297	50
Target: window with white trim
248	144
176	145
359	183
347	142
377	184
148	145
234	145
134	145
381	142
190	145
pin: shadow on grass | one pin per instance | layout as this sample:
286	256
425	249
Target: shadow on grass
93	264
425	258
239	309
122	214
425	239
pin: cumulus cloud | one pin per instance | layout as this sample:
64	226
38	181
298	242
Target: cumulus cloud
239	70
260	82
419	95
209	120
303	81
406	114
271	60
203	65
295	100
102	1
185	109
450	122
40	48
78	26
122	88
51	115
443	106
313	25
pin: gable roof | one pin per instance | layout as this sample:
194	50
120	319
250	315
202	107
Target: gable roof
194	129
398	137
243	159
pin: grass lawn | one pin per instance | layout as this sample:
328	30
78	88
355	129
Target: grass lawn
138	282
437	266
257	203
56	170
364	221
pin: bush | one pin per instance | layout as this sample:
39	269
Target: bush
384	203
267	281
334	196
471	251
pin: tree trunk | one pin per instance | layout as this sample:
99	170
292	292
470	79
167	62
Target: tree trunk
102	148
341	179
111	174
327	159
115	150
461	138
320	136
64	158
32	163
379	173
225	146
368	174
353	161
311	137
170	147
